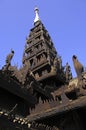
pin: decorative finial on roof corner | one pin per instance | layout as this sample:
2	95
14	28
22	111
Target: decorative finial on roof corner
37	15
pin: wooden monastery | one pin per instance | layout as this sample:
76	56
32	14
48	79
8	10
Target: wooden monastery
42	94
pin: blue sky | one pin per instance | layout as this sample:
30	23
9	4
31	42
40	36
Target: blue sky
65	21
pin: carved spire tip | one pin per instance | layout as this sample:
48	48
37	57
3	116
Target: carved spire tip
36	9
36	14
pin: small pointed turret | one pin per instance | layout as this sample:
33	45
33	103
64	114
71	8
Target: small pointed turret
37	15
78	66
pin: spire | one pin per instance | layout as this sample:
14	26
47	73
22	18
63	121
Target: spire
37	15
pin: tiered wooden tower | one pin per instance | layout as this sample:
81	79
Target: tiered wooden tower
40	53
